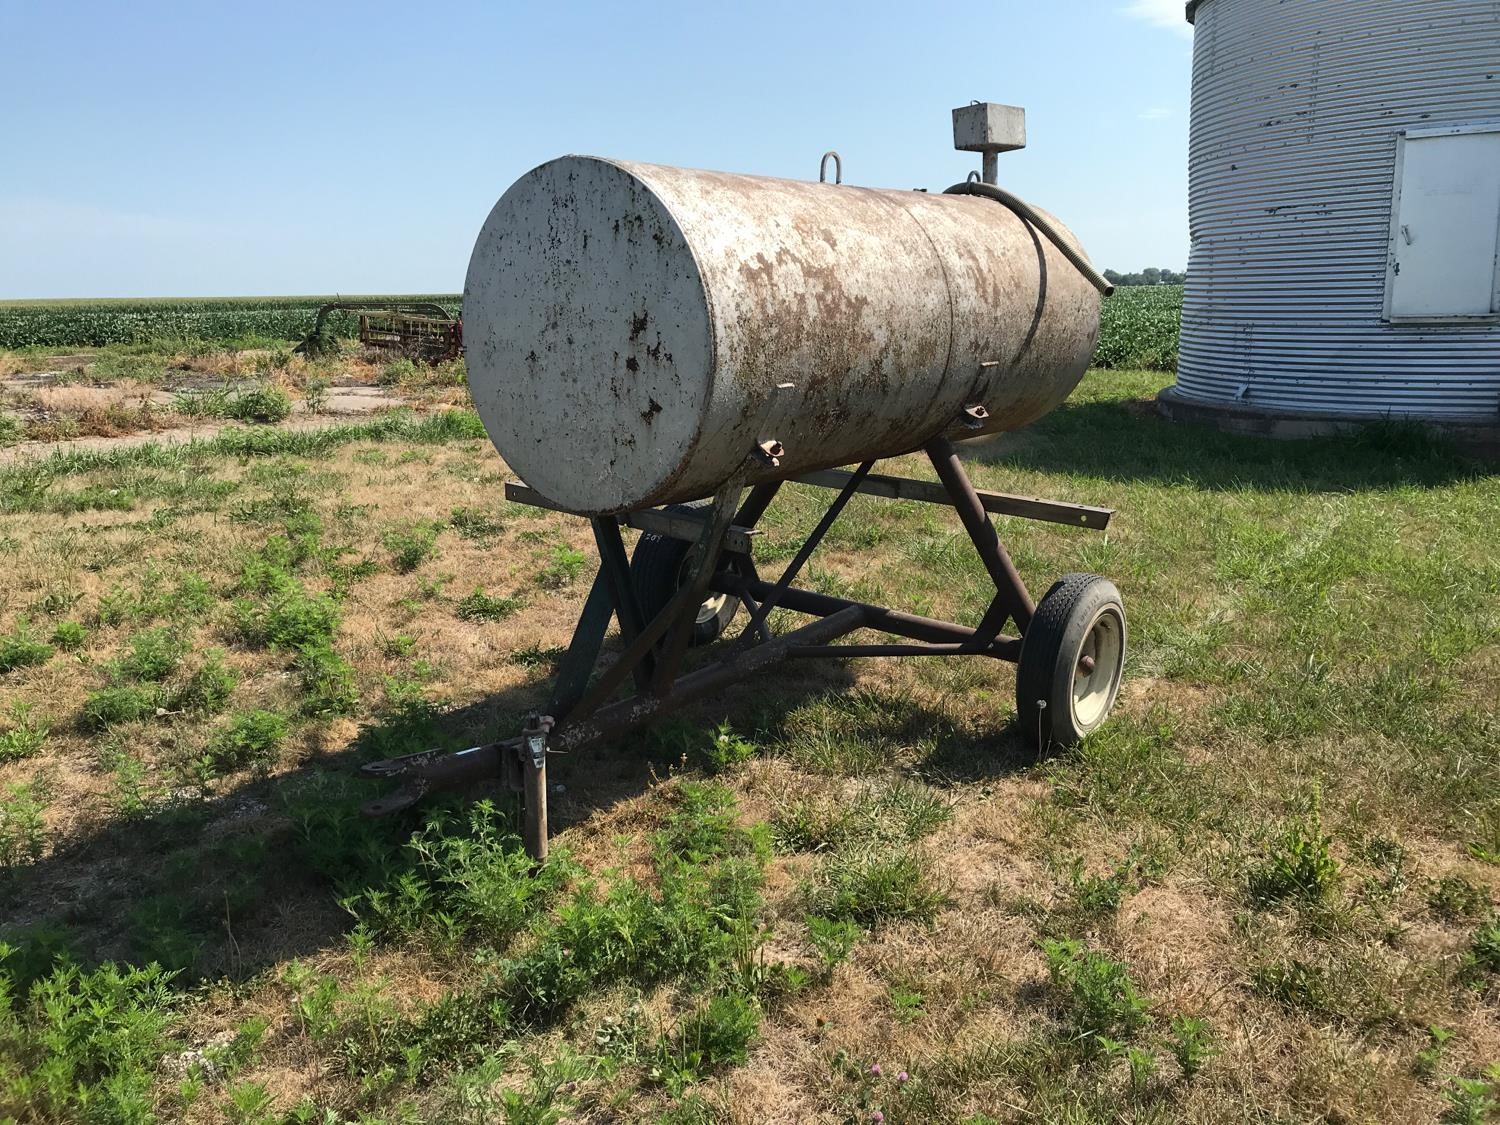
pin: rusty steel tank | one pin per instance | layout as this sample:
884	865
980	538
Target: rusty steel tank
627	326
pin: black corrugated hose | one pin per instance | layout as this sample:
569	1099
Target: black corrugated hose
1026	212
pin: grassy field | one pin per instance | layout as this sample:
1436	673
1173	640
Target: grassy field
1139	324
1264	892
98	322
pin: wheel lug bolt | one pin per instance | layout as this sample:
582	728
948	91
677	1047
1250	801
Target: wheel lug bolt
1087	664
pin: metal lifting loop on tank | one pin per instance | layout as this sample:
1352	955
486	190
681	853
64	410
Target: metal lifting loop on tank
1027	213
838	168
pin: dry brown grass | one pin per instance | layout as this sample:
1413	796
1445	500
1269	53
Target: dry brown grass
60	413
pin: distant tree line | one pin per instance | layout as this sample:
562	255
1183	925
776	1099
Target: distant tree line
1152	276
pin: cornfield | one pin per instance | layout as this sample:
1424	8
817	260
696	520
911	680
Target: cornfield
94	323
1139	326
1139	329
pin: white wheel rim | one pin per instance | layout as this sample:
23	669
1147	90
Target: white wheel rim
712	605
1096	669
711	608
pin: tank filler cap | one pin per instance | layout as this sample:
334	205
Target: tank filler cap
989	127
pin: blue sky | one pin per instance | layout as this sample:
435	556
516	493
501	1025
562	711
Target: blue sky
218	149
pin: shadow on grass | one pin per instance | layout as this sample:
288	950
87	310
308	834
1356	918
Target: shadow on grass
227	885
1126	440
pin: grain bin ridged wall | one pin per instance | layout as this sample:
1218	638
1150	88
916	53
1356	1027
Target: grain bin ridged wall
1298	112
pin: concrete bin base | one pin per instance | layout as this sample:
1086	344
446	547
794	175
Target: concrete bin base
1479	439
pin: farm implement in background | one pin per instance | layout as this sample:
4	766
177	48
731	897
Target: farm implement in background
417	329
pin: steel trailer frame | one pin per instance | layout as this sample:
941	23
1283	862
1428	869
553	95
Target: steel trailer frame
582	711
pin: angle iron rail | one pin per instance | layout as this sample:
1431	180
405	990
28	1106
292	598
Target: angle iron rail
620	718
996	503
877	617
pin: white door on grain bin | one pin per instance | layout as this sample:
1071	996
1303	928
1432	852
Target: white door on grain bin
1445	237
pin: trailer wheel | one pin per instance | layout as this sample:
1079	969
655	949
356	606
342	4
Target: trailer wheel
1071	659
658	568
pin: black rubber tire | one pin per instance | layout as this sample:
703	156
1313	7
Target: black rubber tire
1066	619
656	568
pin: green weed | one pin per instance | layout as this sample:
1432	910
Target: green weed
19	649
399	372
1471	1101
718	1035
287	617
1453	898
399	646
23	734
250	739
410	545
833	939
480	606
563	568
154	655
704	826
55	602
130	794
23	831
84	1045
470	523
208	689
69	635
699	922
315	394
871	885
1192	1044
538	656
1484	946
906	1003
1099	1000
1429	1058
263	404
327	680
190	597
126	703
212	403
1298	864
684	741
469	877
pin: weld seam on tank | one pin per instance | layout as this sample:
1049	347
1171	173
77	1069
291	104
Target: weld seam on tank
1030	215
947	284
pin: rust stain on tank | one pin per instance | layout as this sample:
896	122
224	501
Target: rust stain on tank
880	307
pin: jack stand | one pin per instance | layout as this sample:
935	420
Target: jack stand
533	760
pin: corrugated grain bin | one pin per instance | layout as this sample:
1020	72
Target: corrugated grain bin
1344	209
626	326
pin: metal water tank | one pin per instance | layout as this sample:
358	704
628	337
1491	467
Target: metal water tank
1344	209
627	326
